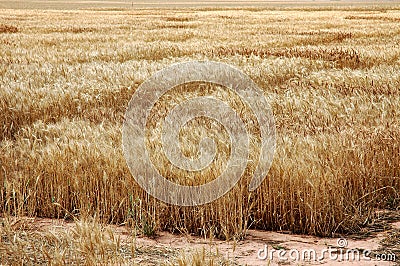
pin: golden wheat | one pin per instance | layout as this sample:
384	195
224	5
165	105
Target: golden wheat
66	78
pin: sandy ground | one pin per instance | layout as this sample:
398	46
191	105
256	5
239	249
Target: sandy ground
152	251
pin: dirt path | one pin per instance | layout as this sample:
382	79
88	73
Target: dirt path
153	251
248	250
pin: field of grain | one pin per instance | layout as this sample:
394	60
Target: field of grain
330	74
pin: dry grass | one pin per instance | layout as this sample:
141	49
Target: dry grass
30	241
198	258
86	243
66	78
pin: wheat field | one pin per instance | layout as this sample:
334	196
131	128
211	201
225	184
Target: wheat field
330	73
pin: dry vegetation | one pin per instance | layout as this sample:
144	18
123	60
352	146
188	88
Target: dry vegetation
332	77
87	243
29	241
